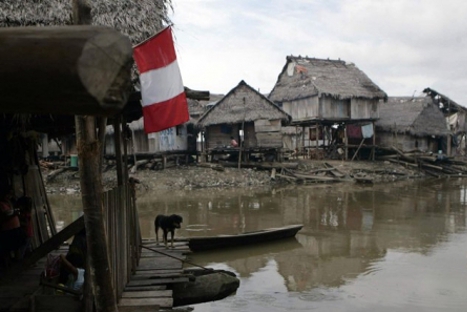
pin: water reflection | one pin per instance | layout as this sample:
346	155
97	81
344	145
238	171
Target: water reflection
385	248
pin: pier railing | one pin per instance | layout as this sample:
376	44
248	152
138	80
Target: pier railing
123	234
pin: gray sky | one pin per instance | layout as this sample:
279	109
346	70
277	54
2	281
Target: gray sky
404	46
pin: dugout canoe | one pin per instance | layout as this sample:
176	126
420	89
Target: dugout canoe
223	241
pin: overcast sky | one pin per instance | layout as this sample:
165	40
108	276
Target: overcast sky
404	46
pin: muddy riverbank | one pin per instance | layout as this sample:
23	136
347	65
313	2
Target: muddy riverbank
196	177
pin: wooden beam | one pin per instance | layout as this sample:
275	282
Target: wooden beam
51	244
88	68
197	95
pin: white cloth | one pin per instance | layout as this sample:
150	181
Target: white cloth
78	283
367	131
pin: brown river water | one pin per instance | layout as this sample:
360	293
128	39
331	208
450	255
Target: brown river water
394	247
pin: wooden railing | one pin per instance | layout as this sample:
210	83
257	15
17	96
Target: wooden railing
123	234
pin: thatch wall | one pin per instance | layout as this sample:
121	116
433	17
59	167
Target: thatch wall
242	104
406	142
304	77
417	116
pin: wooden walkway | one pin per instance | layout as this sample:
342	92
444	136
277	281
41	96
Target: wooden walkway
147	289
157	269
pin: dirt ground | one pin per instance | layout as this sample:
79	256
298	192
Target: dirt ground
194	177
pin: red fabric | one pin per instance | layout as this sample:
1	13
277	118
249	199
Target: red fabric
354	132
156	52
164	115
161	110
11	223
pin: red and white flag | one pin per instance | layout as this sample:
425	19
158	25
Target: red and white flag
162	92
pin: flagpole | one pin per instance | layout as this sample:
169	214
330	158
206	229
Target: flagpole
157	33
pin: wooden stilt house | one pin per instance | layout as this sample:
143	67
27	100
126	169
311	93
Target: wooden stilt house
455	115
411	123
328	99
247	116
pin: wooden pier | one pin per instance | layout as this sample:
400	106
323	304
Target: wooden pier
147	289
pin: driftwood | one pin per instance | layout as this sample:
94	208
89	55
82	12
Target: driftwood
212	166
54	173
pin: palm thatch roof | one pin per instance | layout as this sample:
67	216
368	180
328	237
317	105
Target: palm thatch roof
137	19
243	103
304	77
417	116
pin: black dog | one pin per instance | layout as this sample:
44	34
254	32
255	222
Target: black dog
167	224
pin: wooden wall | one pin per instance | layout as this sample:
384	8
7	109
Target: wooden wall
268	133
364	109
404	142
168	140
215	137
303	109
331	108
260	133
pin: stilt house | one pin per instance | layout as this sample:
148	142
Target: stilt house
411	123
326	97
172	140
455	115
247	116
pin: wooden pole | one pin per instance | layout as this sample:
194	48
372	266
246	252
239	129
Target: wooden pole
356	152
243	129
118	148
89	151
346	144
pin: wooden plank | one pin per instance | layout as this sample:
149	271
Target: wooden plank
162	271
159	263
147	294
145	288
53	243
155	282
148	308
136	302
88	65
52	303
160	276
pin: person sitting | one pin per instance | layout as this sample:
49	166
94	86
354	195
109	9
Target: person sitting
70	276
24	204
233	142
11	235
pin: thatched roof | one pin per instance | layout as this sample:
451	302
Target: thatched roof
243	103
304	77
417	116
137	19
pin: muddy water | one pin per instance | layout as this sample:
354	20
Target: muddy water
395	247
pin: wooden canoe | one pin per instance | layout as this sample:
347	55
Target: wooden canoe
254	237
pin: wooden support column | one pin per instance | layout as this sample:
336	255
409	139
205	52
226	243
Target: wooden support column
346	144
449	145
303	139
118	148
373	150
89	153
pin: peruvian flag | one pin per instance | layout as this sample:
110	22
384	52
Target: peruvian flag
162	92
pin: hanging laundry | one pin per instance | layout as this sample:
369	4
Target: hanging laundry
367	131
